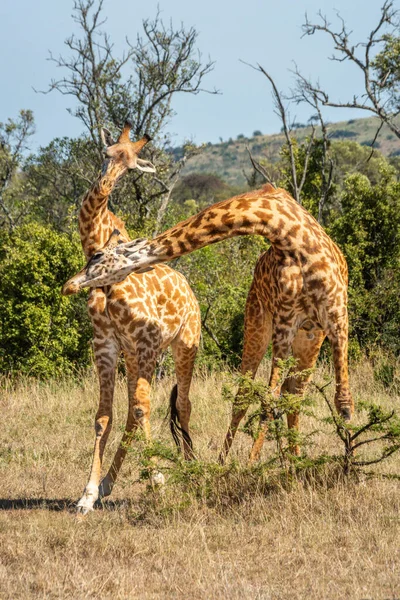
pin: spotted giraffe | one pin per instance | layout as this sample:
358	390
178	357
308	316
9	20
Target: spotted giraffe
140	316
297	298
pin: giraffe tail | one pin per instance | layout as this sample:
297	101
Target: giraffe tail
177	431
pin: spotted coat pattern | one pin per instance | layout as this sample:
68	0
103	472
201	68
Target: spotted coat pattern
140	316
298	295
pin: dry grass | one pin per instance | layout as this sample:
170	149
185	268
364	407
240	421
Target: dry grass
314	541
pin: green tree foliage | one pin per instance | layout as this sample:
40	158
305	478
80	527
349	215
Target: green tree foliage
311	190
203	188
138	85
367	228
14	138
387	69
41	332
56	179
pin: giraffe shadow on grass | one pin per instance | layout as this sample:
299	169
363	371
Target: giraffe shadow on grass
57	504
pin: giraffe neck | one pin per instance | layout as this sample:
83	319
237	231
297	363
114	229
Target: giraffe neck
269	212
96	221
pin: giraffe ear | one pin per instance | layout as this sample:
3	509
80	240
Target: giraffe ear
145	165
106	137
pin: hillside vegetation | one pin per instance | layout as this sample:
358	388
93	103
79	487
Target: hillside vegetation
229	158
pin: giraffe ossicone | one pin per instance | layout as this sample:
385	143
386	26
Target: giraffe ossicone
139	317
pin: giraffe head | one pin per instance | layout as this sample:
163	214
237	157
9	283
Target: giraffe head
125	151
105	267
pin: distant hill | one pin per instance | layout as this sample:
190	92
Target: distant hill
229	159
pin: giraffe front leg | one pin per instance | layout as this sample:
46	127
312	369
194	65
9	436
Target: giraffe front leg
106	355
109	480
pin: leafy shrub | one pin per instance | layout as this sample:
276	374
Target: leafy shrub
42	333
368	232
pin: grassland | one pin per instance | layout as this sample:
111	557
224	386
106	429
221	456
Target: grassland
328	539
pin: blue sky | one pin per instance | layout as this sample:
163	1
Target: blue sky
252	30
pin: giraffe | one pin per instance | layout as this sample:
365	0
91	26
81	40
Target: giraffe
140	316
297	298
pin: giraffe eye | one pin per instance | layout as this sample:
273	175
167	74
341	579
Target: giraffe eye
96	256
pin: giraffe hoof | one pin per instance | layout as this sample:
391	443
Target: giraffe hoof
88	499
157	480
82	511
345	413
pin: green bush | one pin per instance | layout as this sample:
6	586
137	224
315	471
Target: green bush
42	333
368	231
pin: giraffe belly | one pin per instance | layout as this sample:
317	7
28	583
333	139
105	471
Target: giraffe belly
137	325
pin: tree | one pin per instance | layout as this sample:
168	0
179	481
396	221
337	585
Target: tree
57	177
367	228
164	63
139	85
295	177
14	138
377	60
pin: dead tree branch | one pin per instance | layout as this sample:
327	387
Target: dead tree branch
259	168
377	93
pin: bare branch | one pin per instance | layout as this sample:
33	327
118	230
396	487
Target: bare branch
306	159
281	111
259	168
377	91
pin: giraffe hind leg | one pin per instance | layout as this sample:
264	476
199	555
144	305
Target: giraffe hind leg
257	335
184	350
305	348
177	432
283	335
338	337
141	401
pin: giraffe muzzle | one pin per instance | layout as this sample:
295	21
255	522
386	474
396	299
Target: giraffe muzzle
75	284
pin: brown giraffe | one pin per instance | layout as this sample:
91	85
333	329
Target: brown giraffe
140	316
298	295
